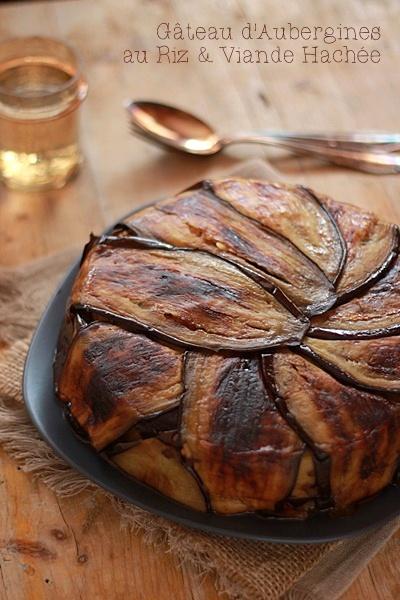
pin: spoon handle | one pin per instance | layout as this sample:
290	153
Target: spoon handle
361	141
379	162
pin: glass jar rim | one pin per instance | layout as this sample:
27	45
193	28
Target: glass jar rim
74	77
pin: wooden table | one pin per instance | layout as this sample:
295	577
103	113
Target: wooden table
74	548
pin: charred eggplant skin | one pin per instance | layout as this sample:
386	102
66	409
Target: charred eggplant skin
356	429
238	443
237	349
295	212
112	378
370	364
202	221
372	247
185	296
372	314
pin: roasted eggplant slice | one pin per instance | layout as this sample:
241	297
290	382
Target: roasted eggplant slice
375	313
113	378
371	245
234	437
185	296
153	426
160	466
291	211
357	430
306	484
374	364
198	220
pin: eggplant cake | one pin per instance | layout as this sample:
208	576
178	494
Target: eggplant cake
237	348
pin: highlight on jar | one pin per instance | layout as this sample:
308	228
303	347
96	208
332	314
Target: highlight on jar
41	90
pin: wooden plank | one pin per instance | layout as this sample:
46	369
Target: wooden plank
74	548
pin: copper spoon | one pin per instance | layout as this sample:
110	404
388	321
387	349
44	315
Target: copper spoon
175	128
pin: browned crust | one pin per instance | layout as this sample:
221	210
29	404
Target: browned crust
373	364
199	220
188	297
374	313
356	429
372	245
233	435
294	212
112	379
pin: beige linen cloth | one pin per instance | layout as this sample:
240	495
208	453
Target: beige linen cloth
245	570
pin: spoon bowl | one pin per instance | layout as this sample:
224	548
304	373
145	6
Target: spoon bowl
174	127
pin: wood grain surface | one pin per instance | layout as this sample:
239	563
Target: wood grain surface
52	548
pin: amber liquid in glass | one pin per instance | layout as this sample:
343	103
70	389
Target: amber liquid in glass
38	123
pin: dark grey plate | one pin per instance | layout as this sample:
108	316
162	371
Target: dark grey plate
47	415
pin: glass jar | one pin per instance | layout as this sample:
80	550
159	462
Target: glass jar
41	90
